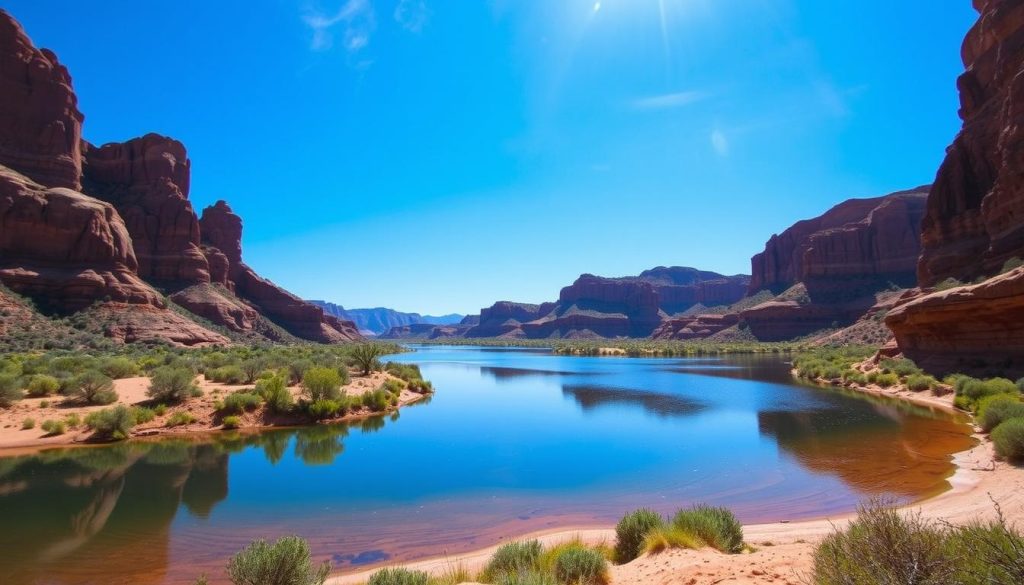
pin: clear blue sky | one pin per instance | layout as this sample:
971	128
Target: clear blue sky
439	155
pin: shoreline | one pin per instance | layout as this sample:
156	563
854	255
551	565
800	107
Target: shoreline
784	550
131	393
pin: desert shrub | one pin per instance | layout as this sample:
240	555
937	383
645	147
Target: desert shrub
970	391
993	410
230	374
160	409
231	422
285	562
297	369
111	423
990	552
322	409
887	380
214	360
367	357
118	368
275	393
170	384
1008	439
902	367
251	369
393	386
667	537
43	385
143	415
53	427
179	418
421	386
1011	264
631	531
578	565
513	558
93	387
715	526
378	400
1020	384
239	402
322	384
72	420
883	546
920	382
399	576
855	377
406	372
527	578
28	423
10	390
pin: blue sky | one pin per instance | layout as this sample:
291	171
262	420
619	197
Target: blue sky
439	155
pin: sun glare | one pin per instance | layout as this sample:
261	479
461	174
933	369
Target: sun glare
597	7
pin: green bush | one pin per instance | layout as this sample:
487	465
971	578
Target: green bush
170	384
28	423
111	423
1020	384
93	387
179	419
119	367
251	369
393	386
882	546
53	427
231	374
406	372
993	410
578	565
285	562
324	409
399	576
667	537
920	382
513	558
231	422
989	553
42	385
275	393
971	391
715	526
10	390
239	402
421	386
72	420
160	409
366	356
887	380
143	415
378	400
297	369
902	367
631	531
1008	438
321	384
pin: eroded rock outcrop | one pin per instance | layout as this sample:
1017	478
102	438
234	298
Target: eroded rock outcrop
40	125
696	327
147	180
975	215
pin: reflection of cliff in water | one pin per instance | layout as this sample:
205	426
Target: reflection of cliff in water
664	405
76	506
892	453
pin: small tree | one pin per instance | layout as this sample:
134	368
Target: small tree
252	368
285	562
321	384
94	388
171	384
366	356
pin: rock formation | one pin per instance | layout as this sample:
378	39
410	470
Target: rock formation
85	228
974	222
696	327
40	125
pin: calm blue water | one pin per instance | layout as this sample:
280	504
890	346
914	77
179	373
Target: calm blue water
514	441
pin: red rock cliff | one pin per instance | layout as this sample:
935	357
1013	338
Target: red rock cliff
40	125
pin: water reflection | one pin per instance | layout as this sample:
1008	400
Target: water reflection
665	405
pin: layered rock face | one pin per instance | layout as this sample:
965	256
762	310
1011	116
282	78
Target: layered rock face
975	218
975	215
40	125
83	227
505	319
696	327
147	180
861	240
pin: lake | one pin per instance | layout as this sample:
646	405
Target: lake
514	441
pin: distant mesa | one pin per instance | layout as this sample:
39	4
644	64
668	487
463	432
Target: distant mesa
107	231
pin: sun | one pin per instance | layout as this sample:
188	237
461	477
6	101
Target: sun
597	6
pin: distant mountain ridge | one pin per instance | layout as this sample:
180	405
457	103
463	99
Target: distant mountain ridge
380	320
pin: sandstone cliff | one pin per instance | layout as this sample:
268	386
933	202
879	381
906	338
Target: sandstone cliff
974	225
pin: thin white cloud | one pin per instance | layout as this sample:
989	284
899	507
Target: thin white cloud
670	100
412	15
719	142
355	16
